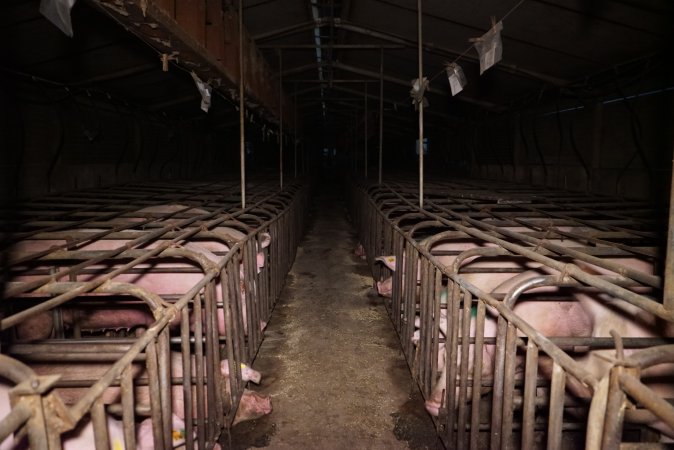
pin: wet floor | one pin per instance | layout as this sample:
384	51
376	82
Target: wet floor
330	358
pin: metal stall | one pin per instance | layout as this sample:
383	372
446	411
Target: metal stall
541	299
116	294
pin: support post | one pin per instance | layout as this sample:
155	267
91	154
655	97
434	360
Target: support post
280	126
242	138
421	107
295	132
668	300
365	133
381	109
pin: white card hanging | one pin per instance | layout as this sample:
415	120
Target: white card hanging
456	77
490	47
205	91
417	92
58	13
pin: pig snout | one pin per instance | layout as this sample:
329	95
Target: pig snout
385	288
250	374
360	251
247	372
252	406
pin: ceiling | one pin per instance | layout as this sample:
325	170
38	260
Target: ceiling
568	48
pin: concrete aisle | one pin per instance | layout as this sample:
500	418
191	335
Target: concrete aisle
330	358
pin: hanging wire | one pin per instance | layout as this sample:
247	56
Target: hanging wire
470	47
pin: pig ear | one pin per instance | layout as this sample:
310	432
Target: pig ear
265	240
388	261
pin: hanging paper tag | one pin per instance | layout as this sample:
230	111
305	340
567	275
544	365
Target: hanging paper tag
58	13
417	92
205	91
457	80
490	47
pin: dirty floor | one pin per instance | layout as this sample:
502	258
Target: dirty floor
330	358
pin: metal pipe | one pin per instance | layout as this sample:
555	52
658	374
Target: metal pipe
280	109
332	46
14	370
421	105
11	423
365	132
242	142
381	110
668	299
295	133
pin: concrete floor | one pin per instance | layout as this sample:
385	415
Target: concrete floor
330	358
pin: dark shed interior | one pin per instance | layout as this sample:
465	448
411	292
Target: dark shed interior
581	100
234	124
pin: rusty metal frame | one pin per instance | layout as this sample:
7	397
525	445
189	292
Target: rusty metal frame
278	213
390	223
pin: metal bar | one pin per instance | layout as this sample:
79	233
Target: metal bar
420	74
477	375
556	413
365	132
155	402
187	369
164	373
463	376
11	423
330	46
615	412
242	134
295	133
434	49
497	394
381	111
668	298
647	397
100	424
280	127
128	408
529	409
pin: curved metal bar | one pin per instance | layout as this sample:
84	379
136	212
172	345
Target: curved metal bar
481	251
153	300
14	370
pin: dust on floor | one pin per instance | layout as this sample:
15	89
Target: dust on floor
331	359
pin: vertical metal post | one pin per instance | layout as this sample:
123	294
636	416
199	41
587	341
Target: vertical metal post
280	108
295	132
355	143
365	132
668	300
421	107
381	109
242	138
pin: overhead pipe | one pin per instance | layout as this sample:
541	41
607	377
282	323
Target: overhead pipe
421	107
242	143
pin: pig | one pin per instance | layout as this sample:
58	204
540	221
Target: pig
576	324
252	405
164	284
82	436
610	314
359	251
589	314
447	250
